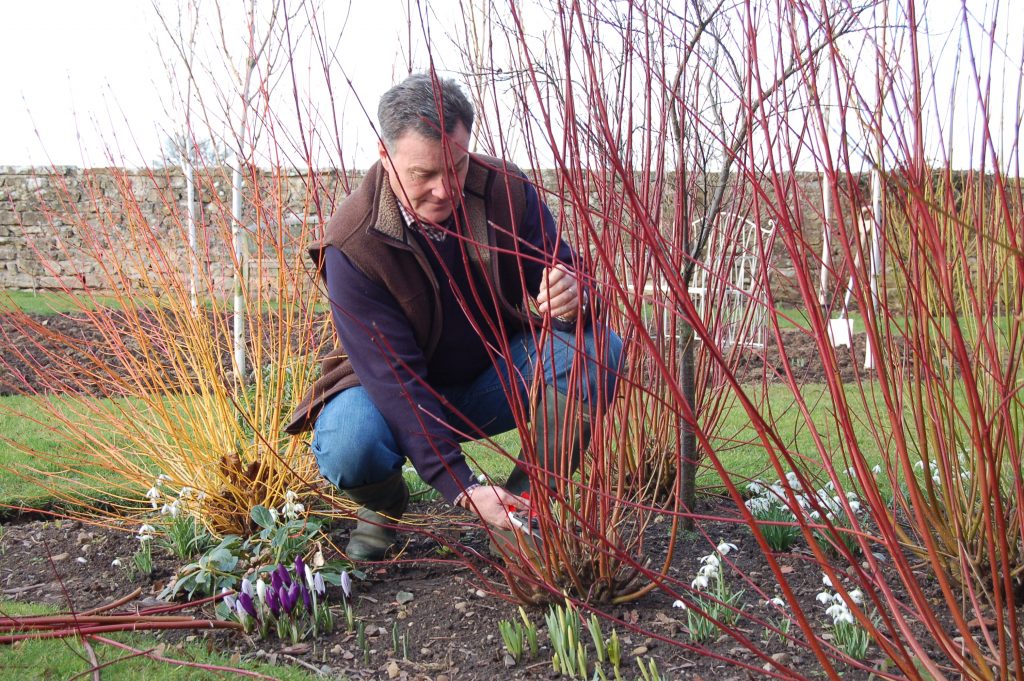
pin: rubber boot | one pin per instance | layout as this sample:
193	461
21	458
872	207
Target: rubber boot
549	421
383	504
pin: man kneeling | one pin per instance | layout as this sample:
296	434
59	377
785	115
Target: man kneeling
430	267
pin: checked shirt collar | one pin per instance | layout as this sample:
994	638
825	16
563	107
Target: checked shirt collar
433	232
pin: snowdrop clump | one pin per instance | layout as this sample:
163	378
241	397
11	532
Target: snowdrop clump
715	599
847	633
779	506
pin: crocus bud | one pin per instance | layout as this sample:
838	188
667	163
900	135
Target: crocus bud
247	587
300	567
307	599
282	571
245	600
319	586
309	576
273	602
282	597
275	580
230	601
346	584
261	590
293	596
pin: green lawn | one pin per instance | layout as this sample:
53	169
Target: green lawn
19	484
735	445
51	302
67	658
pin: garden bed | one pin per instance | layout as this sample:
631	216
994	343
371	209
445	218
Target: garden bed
450	625
63	340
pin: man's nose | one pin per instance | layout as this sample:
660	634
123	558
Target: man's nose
442	187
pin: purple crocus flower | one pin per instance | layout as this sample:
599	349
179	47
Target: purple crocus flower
245	600
320	587
300	567
275	581
273	602
346	583
293	595
307	598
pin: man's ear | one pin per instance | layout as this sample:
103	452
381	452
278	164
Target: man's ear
385	160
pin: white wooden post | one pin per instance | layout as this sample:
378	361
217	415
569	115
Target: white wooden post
193	242
238	279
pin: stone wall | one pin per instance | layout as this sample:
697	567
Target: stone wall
43	245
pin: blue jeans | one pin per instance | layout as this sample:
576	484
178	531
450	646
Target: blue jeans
354	446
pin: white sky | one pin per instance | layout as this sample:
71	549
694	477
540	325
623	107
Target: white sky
84	80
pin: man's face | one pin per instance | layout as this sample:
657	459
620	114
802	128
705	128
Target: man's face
426	175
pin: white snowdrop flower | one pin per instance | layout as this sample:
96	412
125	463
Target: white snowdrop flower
153	494
201	496
116	563
759	505
482	479
162	478
826	581
274	515
679	604
857	596
919	465
877	469
755	488
290	497
710	570
146	532
778	602
855	506
824	597
725	547
836	610
185	493
700	582
711	559
847	617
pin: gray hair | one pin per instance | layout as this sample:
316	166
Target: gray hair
414	105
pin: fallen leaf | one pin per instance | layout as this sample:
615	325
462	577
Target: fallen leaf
297	649
984	623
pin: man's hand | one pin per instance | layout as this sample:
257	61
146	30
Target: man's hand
559	293
491	503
